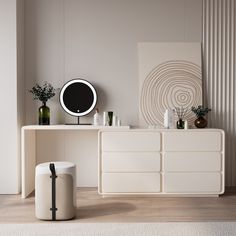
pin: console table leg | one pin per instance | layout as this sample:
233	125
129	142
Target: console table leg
28	160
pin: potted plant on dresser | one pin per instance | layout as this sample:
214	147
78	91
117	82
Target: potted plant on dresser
43	93
200	112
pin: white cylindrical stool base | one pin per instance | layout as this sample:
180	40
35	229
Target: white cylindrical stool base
64	189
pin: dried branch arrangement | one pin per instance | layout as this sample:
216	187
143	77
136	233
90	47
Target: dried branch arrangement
181	112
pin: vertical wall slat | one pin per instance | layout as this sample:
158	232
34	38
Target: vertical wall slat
233	69
219	48
219	61
216	55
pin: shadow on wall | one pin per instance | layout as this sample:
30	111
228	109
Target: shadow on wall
102	97
93	211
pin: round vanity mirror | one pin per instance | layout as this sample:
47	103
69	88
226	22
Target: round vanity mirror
78	97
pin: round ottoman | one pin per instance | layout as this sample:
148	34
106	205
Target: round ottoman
55	191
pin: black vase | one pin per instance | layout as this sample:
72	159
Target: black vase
110	115
200	122
180	124
44	115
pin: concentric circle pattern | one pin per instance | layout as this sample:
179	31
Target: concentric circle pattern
169	85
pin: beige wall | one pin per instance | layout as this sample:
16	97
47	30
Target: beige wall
20	78
9	168
97	40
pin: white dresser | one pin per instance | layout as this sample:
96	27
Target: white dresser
163	162
73	143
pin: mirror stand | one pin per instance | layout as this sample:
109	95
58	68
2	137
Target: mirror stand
78	123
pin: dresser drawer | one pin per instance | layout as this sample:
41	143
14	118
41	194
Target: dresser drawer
192	141
130	141
192	161
192	182
130	162
130	182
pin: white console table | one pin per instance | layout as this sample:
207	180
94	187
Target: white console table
28	148
162	162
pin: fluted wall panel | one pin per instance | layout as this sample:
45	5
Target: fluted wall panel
219	62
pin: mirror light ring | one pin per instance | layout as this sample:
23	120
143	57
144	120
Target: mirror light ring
78	81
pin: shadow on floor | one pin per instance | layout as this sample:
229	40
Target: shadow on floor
92	211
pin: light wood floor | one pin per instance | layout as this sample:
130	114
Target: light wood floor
95	208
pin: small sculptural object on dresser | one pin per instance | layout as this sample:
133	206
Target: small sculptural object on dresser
169	119
96	118
43	94
200	112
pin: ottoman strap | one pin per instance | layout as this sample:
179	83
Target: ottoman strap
53	177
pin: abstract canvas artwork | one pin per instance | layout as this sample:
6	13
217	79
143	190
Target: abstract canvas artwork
170	76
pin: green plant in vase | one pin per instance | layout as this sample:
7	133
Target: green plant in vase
43	93
200	112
